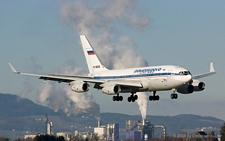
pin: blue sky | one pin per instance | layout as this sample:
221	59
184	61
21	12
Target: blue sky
35	38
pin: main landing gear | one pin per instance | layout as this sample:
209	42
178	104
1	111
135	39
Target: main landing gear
117	98
132	97
174	95
154	97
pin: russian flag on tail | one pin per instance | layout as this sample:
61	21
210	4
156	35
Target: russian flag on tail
90	52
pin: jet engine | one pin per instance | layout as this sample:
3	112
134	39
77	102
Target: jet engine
80	87
186	89
111	89
198	86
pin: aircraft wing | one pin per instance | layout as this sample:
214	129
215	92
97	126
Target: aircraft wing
211	72
53	77
70	78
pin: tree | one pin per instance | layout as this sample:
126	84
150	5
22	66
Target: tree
4	139
222	132
48	138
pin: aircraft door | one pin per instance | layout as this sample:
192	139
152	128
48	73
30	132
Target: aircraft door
170	75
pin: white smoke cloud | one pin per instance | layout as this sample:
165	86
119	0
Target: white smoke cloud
33	63
84	102
28	87
142	101
28	84
44	92
63	98
55	98
98	22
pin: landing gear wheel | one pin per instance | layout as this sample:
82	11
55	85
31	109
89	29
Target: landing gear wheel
114	98
129	99
117	98
135	97
173	96
150	98
120	98
157	97
132	97
176	96
154	97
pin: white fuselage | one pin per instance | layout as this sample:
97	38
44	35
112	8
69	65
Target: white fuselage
153	78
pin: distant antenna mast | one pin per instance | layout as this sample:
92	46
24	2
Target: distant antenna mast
46	123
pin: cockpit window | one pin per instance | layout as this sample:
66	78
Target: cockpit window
184	72
189	72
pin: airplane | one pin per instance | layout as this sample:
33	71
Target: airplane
129	80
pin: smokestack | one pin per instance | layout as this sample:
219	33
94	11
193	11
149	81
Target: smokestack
143	122
46	123
99	123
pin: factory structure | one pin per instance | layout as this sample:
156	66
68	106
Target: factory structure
135	130
48	126
142	130
108	132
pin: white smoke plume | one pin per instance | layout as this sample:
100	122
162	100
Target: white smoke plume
98	23
28	87
44	92
63	98
142	101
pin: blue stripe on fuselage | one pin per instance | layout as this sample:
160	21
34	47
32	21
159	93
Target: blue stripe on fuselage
134	76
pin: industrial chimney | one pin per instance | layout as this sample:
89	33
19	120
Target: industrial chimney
99	123
46	123
143	122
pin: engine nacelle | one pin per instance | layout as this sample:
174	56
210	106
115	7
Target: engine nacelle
80	87
111	89
198	86
186	89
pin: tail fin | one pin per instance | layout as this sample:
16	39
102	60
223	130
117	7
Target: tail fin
93	62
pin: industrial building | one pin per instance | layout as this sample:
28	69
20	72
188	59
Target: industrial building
141	130
108	132
48	126
67	135
135	130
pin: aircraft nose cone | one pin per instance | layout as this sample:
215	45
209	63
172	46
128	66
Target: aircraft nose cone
188	78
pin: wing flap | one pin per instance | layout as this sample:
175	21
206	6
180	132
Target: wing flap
68	78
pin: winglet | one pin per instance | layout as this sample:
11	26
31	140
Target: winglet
211	67
13	69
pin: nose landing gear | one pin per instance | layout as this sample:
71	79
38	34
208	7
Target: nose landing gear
174	95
